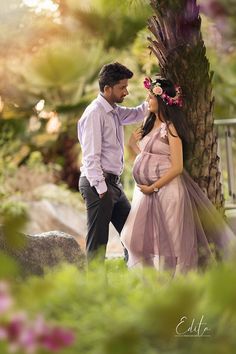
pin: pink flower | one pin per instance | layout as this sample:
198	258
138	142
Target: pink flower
57	338
28	340
16	326
157	90
147	83
14	330
40	326
27	336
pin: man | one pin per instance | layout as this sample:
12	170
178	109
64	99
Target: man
101	135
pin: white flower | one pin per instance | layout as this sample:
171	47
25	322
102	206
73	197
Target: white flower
163	130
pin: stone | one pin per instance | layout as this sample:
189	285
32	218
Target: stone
44	251
45	215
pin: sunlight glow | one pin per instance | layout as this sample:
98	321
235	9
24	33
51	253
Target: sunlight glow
1	104
41	5
40	105
53	124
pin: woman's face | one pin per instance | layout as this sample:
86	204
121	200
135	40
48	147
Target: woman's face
152	103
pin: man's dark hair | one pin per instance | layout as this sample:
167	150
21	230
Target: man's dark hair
112	73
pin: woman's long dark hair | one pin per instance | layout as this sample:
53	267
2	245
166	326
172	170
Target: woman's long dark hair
169	114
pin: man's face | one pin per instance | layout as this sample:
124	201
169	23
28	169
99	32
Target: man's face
118	92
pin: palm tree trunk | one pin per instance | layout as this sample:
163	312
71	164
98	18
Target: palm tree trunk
181	53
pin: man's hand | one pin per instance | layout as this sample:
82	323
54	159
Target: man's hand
146	189
134	139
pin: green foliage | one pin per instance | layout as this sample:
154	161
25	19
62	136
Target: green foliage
225	85
35	159
114	310
145	59
123	18
60	70
222	63
17	180
9	268
223	13
13	217
12	151
58	194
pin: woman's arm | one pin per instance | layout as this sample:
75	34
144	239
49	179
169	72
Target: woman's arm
176	155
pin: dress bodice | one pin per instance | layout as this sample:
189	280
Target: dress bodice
154	158
156	142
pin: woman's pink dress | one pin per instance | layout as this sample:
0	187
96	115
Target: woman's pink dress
178	227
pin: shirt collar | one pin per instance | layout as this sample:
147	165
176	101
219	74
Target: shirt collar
106	105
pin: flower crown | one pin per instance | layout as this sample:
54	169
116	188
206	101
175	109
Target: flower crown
155	88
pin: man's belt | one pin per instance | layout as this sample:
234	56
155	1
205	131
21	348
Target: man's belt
111	178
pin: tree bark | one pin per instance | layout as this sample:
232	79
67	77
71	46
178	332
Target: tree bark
181	53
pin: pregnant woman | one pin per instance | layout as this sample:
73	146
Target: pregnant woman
172	225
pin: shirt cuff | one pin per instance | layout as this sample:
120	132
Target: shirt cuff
101	187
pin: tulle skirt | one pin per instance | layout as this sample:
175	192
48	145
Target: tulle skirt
177	228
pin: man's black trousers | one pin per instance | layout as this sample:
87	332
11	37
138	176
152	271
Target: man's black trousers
112	207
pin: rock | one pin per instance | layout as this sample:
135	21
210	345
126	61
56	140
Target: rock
44	251
45	215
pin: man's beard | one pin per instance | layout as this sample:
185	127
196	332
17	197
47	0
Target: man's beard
120	100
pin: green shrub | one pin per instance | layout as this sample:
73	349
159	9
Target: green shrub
116	311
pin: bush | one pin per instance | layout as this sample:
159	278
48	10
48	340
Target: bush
115	311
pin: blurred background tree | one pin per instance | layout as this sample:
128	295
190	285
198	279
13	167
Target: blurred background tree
49	70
